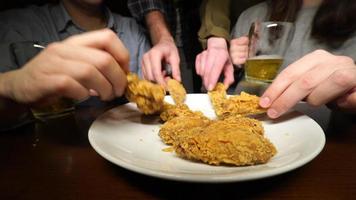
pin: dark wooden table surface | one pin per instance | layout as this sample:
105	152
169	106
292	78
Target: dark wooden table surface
54	160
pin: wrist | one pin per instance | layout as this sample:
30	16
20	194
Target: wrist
13	113
6	84
166	38
217	42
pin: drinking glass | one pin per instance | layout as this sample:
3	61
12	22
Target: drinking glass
23	52
268	42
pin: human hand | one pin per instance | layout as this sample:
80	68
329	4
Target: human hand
239	50
318	78
165	51
211	62
88	64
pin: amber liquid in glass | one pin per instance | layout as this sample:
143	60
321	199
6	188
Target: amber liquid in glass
59	107
262	68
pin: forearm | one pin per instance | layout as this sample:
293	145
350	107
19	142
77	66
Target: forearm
215	20
139	8
157	27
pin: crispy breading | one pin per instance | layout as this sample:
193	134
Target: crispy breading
243	104
171	111
234	140
148	96
218	97
177	91
179	125
250	124
224	143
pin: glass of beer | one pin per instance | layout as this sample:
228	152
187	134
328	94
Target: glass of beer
46	109
268	42
52	109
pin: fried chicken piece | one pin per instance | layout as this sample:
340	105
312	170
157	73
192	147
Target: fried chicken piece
224	143
243	104
177	91
179	125
234	140
148	96
231	139
250	124
218	97
172	111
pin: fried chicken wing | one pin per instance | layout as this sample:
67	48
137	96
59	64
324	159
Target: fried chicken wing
148	96
218	98
172	111
243	104
177	91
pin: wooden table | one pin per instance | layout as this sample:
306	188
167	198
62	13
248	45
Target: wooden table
54	160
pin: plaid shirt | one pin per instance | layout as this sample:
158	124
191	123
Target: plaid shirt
139	8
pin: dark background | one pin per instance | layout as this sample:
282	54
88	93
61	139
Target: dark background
119	6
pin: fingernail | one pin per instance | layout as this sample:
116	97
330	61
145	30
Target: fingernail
272	113
265	102
93	93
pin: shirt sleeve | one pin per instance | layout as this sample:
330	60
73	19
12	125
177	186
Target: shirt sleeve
241	27
7	37
135	40
215	20
348	48
144	46
139	8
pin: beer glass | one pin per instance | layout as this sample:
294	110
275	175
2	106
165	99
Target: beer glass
23	52
268	42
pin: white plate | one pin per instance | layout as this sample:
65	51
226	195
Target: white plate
127	138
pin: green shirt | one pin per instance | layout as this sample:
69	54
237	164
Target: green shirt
217	17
